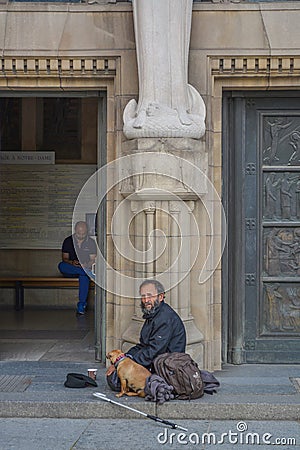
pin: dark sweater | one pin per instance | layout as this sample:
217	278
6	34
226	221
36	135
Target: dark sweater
163	331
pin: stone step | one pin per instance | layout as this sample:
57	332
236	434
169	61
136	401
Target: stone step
196	409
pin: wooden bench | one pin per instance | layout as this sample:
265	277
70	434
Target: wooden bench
19	283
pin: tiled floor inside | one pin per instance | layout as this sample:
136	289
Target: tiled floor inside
46	335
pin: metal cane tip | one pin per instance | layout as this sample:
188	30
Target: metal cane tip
181	428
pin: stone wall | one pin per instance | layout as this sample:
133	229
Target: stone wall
233	46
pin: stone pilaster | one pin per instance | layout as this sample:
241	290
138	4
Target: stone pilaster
161	193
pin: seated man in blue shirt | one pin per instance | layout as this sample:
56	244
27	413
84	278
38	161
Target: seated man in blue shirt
78	255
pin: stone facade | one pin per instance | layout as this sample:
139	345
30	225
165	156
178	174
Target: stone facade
234	46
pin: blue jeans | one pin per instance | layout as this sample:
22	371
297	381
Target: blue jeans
84	280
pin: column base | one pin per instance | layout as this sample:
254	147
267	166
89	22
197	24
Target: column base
194	336
195	339
132	335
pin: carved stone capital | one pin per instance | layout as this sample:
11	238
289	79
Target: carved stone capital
174	207
149	207
134	206
191	205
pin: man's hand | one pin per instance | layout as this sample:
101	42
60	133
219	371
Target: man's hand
76	263
110	370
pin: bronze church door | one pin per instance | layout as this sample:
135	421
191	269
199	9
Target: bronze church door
262	282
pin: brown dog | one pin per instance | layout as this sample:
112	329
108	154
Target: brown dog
132	375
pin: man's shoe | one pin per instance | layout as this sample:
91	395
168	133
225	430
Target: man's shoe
80	309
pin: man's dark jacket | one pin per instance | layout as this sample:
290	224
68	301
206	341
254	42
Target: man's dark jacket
163	331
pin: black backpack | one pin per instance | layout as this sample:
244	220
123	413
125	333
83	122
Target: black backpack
182	372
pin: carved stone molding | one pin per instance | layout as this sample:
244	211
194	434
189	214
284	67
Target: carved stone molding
255	66
227	1
98	2
57	67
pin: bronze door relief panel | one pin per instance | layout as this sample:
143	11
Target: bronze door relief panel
280	148
265	161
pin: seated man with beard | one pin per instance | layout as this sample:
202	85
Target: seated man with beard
163	330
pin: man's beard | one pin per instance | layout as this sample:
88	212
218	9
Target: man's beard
147	311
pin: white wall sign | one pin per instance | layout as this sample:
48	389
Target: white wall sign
27	157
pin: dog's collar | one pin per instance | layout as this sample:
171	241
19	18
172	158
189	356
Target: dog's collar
119	359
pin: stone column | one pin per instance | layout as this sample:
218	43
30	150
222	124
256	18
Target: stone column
150	245
168	120
161	198
175	211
